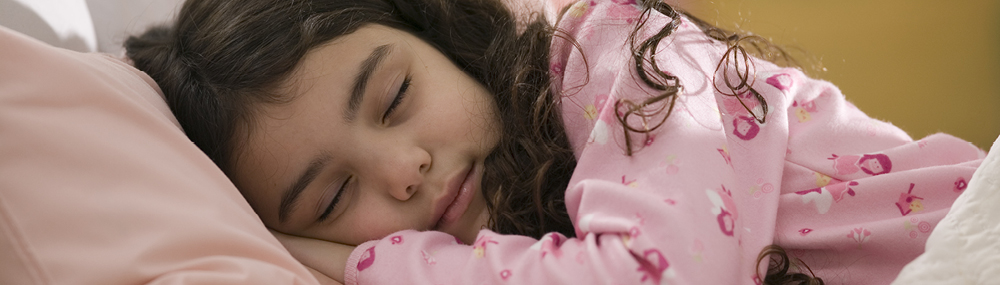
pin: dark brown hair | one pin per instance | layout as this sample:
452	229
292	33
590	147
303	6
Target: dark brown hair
778	265
742	49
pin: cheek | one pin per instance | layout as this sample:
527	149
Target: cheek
489	115
491	126
479	117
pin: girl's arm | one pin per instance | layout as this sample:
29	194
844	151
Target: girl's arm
411	257
324	259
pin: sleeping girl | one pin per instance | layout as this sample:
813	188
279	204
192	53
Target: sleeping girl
454	142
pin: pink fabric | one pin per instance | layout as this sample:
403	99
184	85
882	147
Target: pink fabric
853	197
99	185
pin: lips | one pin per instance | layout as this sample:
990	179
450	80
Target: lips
459	192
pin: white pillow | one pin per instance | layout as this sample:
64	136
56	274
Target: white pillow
115	20
62	23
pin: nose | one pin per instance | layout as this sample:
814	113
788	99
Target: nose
404	171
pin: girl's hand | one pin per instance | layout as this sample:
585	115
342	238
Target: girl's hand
326	260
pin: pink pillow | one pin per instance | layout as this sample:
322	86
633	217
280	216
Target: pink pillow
99	185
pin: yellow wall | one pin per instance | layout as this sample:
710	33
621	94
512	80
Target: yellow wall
926	66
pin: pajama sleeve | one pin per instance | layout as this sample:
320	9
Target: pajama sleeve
858	195
411	257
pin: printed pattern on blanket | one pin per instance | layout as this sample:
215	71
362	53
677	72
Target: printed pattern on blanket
853	197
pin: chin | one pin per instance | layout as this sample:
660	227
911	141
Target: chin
469	234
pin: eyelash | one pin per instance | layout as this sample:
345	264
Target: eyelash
398	99
336	200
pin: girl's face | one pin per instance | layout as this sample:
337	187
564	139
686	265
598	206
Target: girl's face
382	133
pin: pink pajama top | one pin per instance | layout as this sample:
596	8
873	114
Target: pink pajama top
853	197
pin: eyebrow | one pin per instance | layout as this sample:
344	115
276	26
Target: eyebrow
292	193
361	79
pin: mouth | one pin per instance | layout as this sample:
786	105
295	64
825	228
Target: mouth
459	192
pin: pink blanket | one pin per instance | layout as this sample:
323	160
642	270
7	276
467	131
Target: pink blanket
853	197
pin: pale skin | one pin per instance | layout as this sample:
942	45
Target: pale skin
418	166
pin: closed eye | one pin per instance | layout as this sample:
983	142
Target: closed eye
336	200
398	99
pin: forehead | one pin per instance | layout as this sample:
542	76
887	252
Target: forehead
285	136
350	48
